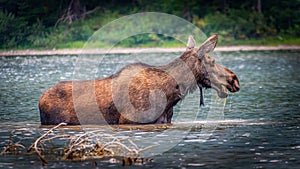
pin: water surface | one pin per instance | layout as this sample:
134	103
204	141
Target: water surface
260	127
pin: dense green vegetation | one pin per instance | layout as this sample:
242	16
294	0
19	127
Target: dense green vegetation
69	23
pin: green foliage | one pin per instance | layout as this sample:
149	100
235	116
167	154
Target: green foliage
39	24
12	30
39	38
147	40
79	31
236	24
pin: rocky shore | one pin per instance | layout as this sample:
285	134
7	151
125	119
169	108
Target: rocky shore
138	50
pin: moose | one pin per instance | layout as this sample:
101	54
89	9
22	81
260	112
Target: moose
138	93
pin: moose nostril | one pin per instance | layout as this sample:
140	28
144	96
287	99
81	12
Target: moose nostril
236	85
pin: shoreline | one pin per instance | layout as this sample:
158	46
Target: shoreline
139	50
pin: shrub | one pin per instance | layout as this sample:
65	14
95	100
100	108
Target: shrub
9	22
236	24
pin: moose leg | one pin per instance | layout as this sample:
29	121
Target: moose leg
169	115
165	117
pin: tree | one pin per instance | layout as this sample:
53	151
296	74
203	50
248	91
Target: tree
75	11
259	6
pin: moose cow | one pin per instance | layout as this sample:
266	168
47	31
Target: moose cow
138	93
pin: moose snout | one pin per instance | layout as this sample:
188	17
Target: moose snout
234	85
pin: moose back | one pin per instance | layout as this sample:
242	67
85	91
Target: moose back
138	93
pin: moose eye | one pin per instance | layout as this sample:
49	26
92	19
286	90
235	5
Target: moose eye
213	62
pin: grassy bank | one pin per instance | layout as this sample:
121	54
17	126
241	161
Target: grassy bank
74	45
174	43
268	41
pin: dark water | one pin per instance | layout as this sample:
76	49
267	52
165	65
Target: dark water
260	127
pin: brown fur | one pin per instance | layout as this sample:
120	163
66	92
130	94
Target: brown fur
74	102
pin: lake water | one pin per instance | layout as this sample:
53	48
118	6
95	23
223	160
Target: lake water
259	128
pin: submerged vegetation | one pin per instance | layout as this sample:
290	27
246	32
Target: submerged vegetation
60	144
69	23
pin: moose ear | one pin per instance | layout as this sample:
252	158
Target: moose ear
208	46
191	42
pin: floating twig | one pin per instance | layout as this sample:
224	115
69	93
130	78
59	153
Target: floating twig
37	141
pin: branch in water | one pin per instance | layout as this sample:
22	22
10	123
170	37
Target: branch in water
37	141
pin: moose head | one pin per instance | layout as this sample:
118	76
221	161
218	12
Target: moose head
207	72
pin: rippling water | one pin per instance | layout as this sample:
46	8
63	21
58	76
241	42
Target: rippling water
260	127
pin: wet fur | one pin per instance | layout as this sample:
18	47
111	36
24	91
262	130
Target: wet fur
56	104
129	96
